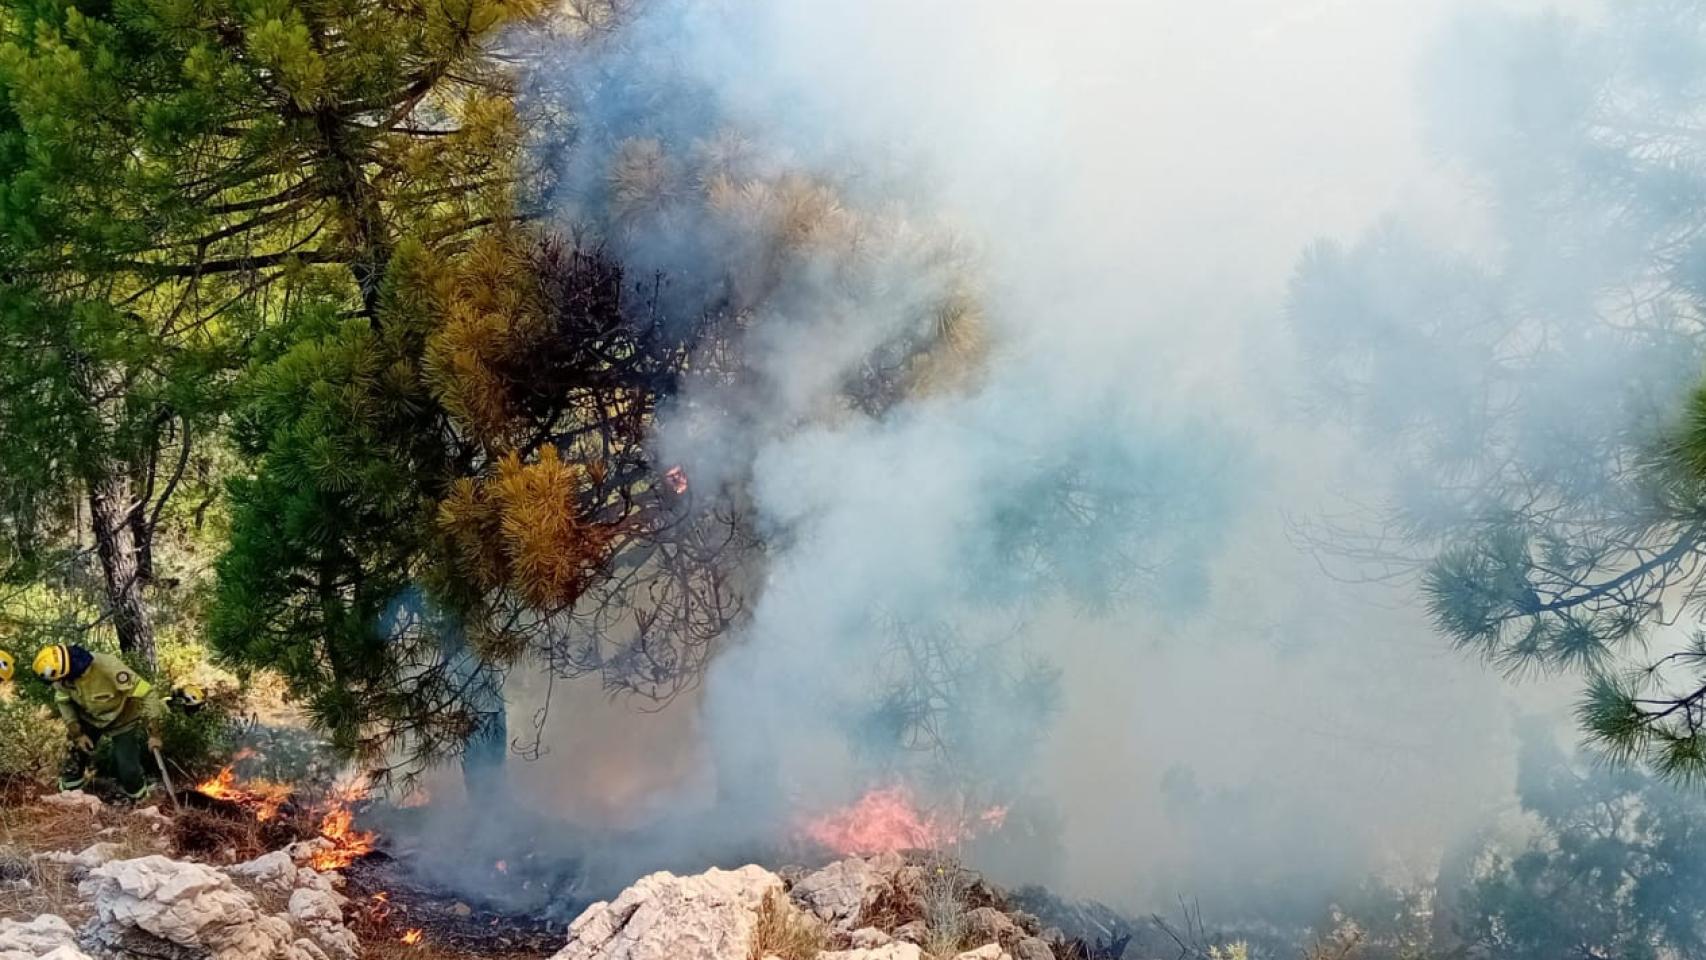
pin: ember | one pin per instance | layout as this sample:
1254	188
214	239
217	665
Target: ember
412	937
887	820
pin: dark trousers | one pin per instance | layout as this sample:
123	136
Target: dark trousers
124	751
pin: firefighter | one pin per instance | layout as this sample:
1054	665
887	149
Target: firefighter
101	698
188	699
7	665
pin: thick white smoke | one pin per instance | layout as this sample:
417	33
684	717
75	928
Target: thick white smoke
1136	182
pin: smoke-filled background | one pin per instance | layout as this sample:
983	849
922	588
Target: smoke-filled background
1137	557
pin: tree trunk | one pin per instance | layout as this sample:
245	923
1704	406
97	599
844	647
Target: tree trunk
121	564
142	537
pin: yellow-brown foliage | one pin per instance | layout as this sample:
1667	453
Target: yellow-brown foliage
523	528
491	315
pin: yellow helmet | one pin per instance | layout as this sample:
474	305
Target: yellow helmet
189	697
53	663
7	665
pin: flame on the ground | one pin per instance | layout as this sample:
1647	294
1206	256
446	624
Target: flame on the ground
345	844
338	826
888	819
262	796
413	936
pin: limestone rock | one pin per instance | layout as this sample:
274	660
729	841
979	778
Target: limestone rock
316	906
152	814
278	873
44	937
321	913
160	907
893	951
710	916
91	857
989	925
1033	948
75	800
991	952
868	938
840	893
916	931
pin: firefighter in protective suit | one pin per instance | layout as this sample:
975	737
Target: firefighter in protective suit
100	698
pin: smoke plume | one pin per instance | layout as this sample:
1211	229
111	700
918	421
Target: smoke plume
1087	534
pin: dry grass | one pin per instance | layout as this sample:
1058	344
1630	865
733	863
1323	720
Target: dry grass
785	932
28	828
944	901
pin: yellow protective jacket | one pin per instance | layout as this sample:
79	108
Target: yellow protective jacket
107	698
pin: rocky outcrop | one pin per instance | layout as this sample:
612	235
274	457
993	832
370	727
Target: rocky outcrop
865	909
711	916
160	907
47	937
278	872
320	912
989	925
841	893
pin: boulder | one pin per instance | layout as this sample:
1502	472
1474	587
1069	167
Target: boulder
1032	948
840	893
277	873
989	925
992	951
321	913
303	851
47	936
164	908
916	931
710	916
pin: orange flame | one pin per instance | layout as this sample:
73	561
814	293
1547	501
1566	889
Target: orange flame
264	796
887	820
337	825
348	843
413	936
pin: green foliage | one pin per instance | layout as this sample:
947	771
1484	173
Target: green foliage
1545	492
1617	869
333	527
34	744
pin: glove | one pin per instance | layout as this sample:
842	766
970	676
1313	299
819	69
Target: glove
154	742
84	743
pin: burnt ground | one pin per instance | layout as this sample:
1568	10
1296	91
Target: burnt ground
389	898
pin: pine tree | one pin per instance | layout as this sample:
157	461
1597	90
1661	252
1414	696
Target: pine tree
169	173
